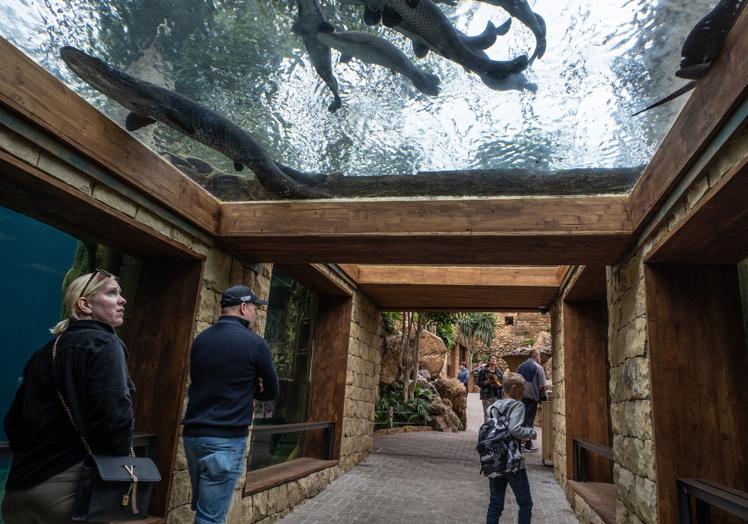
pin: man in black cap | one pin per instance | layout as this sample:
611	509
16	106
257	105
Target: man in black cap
230	366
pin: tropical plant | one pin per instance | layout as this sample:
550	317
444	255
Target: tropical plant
476	329
414	411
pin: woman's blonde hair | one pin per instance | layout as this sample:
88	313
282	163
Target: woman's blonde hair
91	282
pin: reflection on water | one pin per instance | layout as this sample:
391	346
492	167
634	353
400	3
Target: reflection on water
604	61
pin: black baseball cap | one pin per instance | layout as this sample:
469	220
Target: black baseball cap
236	295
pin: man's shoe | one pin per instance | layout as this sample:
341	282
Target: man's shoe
530	449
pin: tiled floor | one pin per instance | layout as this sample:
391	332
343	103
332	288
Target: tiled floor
428	477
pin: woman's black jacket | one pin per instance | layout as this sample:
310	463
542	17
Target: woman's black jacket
486	389
91	370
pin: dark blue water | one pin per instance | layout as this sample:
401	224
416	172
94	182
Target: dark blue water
35	258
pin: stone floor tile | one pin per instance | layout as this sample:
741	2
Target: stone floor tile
428	477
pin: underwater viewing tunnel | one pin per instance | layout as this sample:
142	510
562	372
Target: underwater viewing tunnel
345	158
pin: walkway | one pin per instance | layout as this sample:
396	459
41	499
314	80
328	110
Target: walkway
428	477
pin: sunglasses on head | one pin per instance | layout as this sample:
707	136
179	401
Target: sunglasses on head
97	271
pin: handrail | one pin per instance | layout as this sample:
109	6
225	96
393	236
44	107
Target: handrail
328	438
708	493
579	465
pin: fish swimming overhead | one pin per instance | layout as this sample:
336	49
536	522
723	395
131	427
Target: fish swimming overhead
521	10
426	23
374	50
706	38
150	103
307	24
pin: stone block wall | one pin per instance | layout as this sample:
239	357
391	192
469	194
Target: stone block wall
559	393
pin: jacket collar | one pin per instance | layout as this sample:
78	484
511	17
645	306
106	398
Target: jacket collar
76	325
235	319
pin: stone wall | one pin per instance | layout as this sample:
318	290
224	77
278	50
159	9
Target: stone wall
630	386
558	397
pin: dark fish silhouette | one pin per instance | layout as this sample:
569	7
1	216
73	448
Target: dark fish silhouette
422	21
374	50
520	10
706	38
702	46
150	104
307	24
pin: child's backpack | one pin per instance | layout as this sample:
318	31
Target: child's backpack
500	453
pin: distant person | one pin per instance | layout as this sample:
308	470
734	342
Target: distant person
90	372
514	409
463	375
489	381
535	386
230	366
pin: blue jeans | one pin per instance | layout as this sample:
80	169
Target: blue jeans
521	488
215	465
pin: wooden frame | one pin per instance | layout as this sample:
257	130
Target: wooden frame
698	369
327	386
586	384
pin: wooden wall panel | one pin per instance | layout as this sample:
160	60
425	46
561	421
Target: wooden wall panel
158	337
329	365
586	383
710	105
698	365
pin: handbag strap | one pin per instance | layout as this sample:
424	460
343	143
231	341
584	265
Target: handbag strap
65	405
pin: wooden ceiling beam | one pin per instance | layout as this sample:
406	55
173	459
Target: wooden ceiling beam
508	231
449	276
450	288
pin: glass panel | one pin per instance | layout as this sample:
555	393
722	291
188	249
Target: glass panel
292	312
604	61
34	262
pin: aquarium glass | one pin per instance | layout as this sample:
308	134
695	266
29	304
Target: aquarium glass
604	60
289	330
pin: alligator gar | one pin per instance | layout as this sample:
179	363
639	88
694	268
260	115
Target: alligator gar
149	103
307	24
374	50
426	22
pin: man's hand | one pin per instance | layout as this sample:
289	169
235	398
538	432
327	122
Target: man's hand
259	388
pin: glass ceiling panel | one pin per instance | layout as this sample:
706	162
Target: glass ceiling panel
570	109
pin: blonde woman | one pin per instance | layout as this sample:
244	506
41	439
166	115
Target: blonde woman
90	371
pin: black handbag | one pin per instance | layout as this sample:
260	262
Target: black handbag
111	488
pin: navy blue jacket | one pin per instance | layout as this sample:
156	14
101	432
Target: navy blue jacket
227	359
91	370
